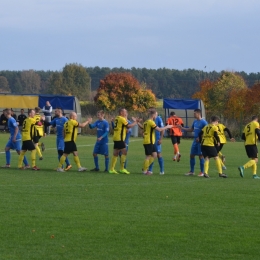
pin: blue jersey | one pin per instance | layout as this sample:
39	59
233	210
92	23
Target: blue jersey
12	125
159	122
59	122
197	126
102	130
128	133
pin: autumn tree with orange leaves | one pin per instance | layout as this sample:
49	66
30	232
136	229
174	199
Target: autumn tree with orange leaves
123	90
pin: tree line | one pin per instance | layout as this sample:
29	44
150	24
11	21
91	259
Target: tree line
83	82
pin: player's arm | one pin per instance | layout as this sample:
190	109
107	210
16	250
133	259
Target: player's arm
140	124
243	137
257	131
15	133
186	129
217	137
94	125
81	125
105	133
229	134
200	136
161	129
135	121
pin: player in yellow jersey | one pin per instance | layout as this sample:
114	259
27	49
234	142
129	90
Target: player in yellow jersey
223	140
209	137
250	135
70	136
39	132
149	128
120	126
27	139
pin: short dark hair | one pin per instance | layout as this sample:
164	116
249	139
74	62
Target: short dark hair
254	117
214	118
172	113
120	110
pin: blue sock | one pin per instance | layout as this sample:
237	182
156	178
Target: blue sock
96	162
8	157
106	163
67	161
59	156
161	163
125	163
192	164
202	164
150	169
25	161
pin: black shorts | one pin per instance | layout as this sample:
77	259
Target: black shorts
219	148
209	151
36	139
251	151
70	147
176	139
150	149
119	145
28	145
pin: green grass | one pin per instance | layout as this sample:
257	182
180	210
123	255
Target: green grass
102	216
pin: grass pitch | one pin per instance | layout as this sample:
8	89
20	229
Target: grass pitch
72	215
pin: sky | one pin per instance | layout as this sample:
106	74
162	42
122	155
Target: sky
176	34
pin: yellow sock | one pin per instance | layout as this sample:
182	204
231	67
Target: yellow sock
206	166
21	157
222	164
62	160
249	164
39	144
122	162
76	160
113	163
254	168
220	154
218	164
146	165
38	151
151	160
33	157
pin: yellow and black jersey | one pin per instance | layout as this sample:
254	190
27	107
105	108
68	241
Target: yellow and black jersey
39	129
120	128
71	130
149	131
28	129
251	132
209	135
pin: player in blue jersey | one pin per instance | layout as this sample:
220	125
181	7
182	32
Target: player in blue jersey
101	146
14	141
196	127
158	143
59	122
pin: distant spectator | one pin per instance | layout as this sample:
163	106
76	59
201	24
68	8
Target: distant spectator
21	117
4	120
47	109
13	115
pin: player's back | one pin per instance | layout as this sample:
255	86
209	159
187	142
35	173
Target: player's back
208	138
149	132
221	133
120	124
28	129
159	122
198	125
175	121
38	128
71	130
250	133
59	124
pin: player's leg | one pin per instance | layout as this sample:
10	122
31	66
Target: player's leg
21	158
201	158
96	151
77	161
8	147
123	160
106	153
127	152
114	158
18	149
193	151
219	148
36	141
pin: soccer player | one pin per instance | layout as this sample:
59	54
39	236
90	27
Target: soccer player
223	140
158	143
208	135
101	146
59	122
21	117
39	132
196	127
70	133
14	141
250	135
149	141
121	125
27	138
175	134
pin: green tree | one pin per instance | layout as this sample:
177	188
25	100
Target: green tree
4	86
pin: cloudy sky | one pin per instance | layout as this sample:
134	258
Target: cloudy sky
176	34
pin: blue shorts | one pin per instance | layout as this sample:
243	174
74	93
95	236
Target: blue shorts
14	145
60	144
195	148
158	147
101	148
